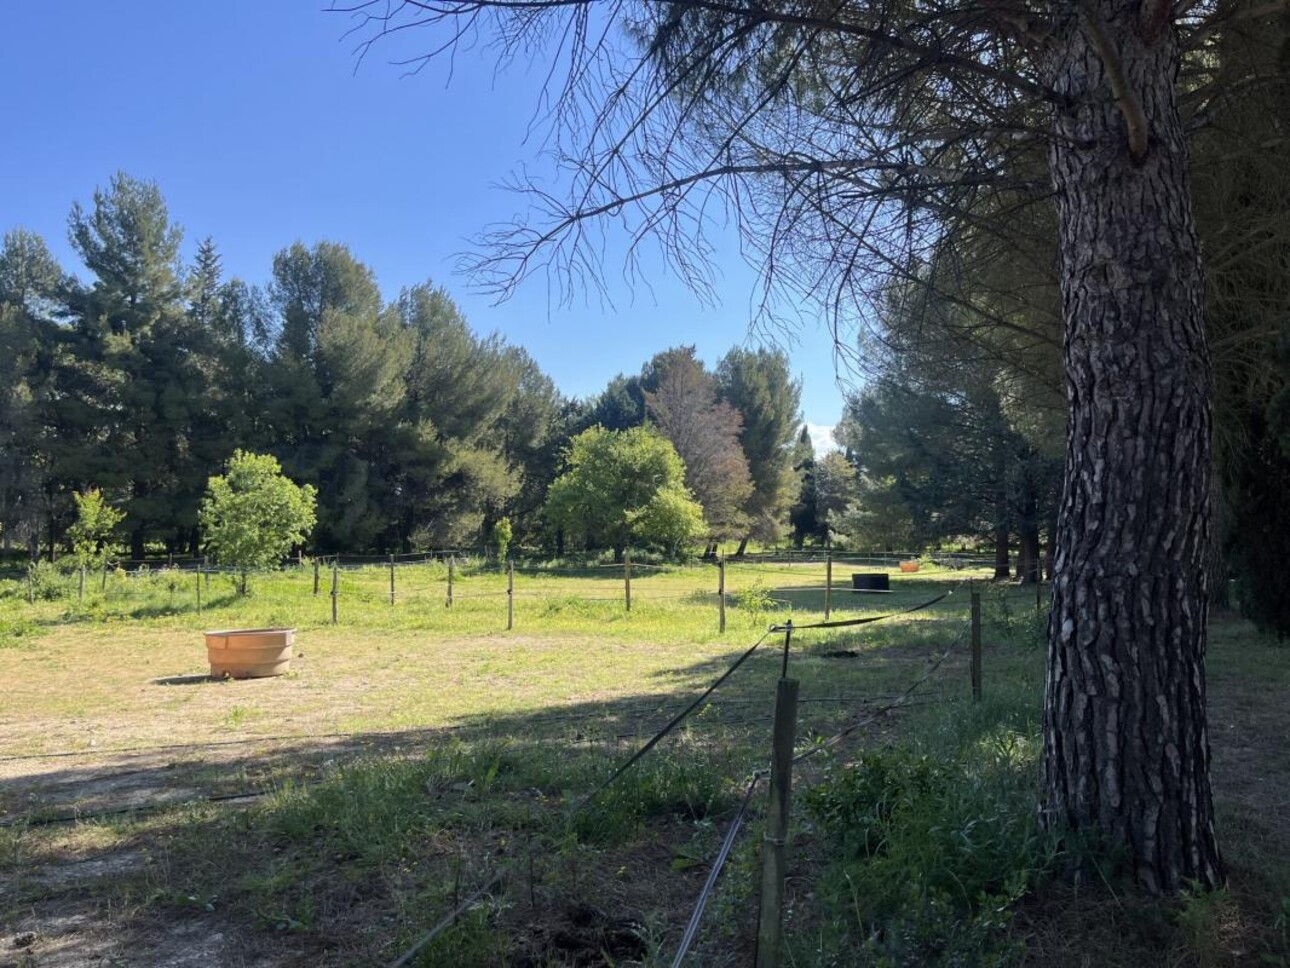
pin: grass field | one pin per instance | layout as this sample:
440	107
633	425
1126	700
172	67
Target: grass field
333	815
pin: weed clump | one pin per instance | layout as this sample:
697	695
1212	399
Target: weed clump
933	852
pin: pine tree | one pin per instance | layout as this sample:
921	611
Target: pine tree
759	386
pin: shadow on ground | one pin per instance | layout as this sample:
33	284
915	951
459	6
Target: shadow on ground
86	863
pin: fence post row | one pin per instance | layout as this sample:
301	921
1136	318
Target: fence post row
721	590
976	645
774	848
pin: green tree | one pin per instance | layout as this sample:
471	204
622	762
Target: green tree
624	487
133	377
253	515
535	429
337	382
30	284
91	534
758	384
1242	163
836	492
671	519
473	433
803	516
620	406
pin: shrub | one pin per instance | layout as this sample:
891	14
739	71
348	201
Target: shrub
253	514
48	582
932	852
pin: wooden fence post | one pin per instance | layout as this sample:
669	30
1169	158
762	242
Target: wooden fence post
828	586
976	645
627	577
315	577
198	584
452	568
721	590
774	848
80	586
510	595
335	586
391	579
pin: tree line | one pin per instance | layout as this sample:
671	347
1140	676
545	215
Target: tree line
416	432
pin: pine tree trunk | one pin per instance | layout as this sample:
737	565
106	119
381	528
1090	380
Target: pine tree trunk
1030	570
1002	567
1126	751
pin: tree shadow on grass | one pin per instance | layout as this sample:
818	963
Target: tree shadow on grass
288	847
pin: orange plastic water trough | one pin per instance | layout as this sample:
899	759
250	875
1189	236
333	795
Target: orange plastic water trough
249	653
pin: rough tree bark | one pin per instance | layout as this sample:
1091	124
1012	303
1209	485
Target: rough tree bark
1125	745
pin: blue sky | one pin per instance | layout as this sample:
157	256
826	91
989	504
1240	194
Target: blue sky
254	122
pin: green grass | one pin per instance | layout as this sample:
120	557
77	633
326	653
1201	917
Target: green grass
84	671
465	750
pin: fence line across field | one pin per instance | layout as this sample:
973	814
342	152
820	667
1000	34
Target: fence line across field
460	580
783	758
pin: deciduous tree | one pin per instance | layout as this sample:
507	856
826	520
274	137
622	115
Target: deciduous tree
91	534
253	515
624	487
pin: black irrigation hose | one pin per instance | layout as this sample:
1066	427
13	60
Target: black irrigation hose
692	929
847	623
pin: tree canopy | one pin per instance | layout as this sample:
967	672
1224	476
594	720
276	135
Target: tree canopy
253	515
624	488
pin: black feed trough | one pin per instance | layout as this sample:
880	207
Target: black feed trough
870	581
